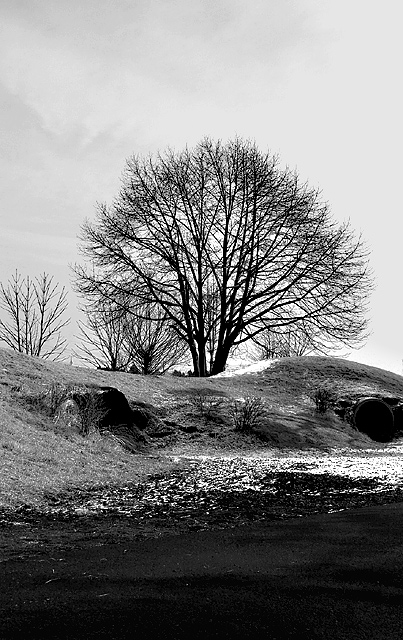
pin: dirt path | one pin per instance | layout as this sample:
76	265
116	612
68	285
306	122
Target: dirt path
336	576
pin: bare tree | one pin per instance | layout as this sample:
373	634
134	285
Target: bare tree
229	245
102	339
289	341
117	339
153	344
35	309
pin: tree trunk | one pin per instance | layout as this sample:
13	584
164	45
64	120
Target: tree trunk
195	360
199	360
202	360
220	360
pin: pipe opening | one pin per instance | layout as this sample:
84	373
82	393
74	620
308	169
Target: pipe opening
375	418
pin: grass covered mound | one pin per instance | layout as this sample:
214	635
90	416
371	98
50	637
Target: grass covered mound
43	454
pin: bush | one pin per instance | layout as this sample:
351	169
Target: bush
54	396
247	414
89	411
324	399
69	405
205	403
46	401
72	406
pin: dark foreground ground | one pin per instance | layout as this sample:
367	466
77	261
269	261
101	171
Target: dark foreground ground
335	575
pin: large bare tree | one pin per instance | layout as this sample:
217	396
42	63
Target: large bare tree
35	310
229	245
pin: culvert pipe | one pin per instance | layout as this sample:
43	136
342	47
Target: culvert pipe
375	418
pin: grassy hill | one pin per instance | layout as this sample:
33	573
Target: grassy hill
40	455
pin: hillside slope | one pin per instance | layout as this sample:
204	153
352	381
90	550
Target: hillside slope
290	376
286	387
284	381
39	456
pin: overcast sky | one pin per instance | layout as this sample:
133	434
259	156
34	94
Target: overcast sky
86	83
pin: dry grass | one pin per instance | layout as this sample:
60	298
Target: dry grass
37	458
36	462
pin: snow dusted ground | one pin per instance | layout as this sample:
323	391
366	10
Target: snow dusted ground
384	465
227	490
234	488
255	367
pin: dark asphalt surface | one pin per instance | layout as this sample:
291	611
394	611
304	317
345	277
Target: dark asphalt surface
334	576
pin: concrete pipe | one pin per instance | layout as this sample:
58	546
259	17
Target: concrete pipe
375	418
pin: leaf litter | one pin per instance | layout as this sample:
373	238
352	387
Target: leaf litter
225	491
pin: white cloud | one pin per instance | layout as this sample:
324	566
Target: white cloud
89	70
69	91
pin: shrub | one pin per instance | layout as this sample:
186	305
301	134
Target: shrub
54	396
205	403
247	414
46	401
69	405
89	411
324	399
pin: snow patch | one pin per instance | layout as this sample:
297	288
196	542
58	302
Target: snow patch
256	367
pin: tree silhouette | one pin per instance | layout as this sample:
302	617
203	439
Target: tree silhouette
102	339
290	341
35	309
116	339
229	245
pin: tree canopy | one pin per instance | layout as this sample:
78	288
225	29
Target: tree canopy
229	245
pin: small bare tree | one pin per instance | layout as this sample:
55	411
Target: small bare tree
103	340
140	340
287	342
35	309
152	343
